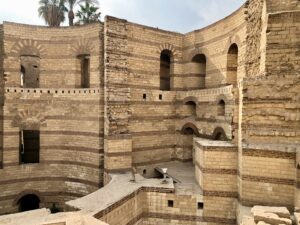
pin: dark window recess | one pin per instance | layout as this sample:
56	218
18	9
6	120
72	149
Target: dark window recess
144	172
30	71
29	146
29	202
165	70
144	96
160	97
85	71
170	203
54	209
200	205
221	108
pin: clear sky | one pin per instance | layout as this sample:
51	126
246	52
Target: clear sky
174	15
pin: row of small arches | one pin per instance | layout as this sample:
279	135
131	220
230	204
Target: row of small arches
199	62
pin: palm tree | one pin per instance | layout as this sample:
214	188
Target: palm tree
72	4
88	13
52	11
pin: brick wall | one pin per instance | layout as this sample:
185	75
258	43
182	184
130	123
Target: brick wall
69	118
270	107
216	174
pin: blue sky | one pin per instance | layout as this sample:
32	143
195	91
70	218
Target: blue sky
174	15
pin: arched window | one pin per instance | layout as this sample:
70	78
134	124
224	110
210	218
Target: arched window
192	108
219	134
30	71
199	67
190	129
29	202
221	108
232	64
85	71
165	70
22	74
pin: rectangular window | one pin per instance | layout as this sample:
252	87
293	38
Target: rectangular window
85	71
29	146
200	205
170	203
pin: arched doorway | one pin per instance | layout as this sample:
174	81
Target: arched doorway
187	134
232	64
165	70
199	64
191	108
29	202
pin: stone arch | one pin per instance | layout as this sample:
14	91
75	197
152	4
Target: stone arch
171	48
232	64
29	119
232	40
197	51
222	97
82	47
219	134
190	99
198	67
28	192
28	48
190	126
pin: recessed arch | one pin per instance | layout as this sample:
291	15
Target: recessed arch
28	196
190	99
192	108
221	108
219	134
232	64
29	202
166	57
199	69
190	129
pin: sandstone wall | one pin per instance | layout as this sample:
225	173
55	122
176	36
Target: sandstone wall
69	118
1	91
149	117
214	42
277	6
152	206
58	50
270	124
216	174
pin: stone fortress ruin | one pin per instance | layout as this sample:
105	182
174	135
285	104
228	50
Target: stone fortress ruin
85	107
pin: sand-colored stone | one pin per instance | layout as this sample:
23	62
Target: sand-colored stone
270	218
232	109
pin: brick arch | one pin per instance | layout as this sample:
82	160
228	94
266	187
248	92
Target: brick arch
171	48
29	119
28	47
222	97
28	192
217	131
232	40
192	126
197	51
190	99
82	47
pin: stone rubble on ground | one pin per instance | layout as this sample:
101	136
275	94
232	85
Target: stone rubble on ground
263	215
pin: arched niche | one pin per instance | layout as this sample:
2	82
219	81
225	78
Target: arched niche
232	64
165	70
